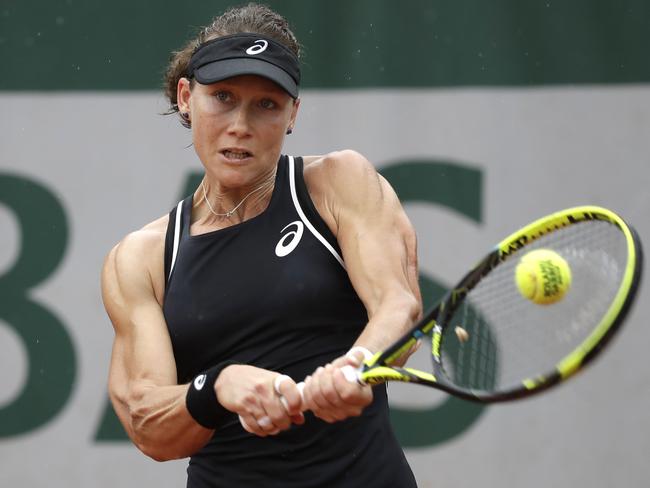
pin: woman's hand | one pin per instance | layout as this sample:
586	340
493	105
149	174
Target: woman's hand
249	392
330	396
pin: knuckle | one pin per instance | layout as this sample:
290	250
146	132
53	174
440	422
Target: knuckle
281	421
259	387
318	406
348	395
316	397
331	395
249	401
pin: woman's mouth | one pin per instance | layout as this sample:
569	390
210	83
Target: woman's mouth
236	154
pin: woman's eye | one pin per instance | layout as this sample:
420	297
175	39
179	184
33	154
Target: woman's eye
267	104
222	96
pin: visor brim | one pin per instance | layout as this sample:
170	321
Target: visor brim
228	68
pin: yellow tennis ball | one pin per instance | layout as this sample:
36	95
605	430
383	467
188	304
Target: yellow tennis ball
543	276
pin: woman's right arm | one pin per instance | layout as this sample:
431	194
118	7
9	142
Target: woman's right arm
143	385
142	377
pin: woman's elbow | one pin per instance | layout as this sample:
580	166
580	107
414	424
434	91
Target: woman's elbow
413	306
155	452
152	447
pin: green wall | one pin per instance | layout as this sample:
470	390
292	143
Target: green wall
124	44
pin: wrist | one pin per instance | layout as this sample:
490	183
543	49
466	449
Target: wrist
201	399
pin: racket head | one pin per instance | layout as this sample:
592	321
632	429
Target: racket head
515	347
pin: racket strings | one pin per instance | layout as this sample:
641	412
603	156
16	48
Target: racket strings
510	338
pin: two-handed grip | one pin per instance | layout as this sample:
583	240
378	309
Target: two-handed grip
352	374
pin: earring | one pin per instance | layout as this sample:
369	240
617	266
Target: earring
289	131
185	115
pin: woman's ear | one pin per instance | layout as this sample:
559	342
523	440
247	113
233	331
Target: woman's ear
294	115
183	95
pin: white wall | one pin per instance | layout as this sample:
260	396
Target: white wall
115	164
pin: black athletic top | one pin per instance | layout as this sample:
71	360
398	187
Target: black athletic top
273	292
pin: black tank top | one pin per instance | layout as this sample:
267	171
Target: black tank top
273	292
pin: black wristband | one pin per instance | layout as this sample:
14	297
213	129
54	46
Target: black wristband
201	399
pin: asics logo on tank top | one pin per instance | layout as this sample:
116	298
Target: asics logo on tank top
258	47
199	381
290	240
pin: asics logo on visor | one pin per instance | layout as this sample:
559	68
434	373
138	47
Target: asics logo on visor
259	47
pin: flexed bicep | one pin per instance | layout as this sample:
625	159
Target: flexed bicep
142	377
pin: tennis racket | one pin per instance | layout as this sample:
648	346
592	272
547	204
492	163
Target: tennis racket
489	343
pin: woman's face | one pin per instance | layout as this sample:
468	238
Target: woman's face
238	126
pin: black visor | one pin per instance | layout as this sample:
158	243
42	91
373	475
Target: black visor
245	54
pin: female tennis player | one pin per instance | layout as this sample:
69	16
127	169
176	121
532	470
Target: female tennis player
276	267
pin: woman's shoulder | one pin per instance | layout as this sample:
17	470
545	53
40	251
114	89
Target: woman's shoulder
139	256
335	158
334	181
338	170
338	167
147	238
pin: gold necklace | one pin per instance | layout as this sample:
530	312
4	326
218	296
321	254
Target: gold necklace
229	213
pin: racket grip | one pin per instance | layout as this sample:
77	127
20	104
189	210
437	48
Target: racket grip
352	374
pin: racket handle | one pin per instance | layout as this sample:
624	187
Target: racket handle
352	374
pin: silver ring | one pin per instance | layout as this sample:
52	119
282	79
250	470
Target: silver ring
265	422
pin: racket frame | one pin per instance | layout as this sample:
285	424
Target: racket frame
378	369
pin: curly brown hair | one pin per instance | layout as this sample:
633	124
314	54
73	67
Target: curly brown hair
253	18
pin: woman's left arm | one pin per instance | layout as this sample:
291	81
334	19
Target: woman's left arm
379	250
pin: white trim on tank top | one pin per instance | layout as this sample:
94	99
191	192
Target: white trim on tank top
303	217
301	214
177	235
